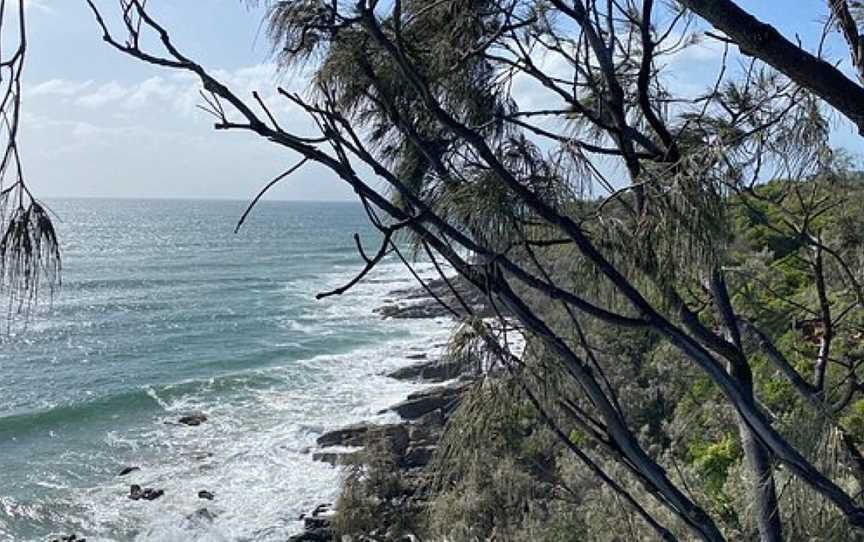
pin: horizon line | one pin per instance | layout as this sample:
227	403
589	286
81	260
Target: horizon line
195	198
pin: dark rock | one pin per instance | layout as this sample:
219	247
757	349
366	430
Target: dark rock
352	435
433	421
420	434
127	470
421	355
204	494
317	525
420	310
192	419
435	371
69	538
417	457
444	398
415	484
148	494
314	535
319	518
202	514
396	436
323	508
409	372
424	305
336	459
311	523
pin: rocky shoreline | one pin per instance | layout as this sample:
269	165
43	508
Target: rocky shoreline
412	441
409	443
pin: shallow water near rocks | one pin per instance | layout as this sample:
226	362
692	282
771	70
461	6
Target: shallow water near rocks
165	312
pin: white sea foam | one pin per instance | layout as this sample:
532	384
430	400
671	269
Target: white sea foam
254	451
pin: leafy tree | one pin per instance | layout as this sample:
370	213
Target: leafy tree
29	248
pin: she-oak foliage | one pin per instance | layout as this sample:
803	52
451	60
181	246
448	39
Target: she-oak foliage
685	266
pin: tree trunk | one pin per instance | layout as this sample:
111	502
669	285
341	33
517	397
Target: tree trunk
762	488
765	507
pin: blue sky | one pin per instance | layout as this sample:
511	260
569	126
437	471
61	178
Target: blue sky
98	123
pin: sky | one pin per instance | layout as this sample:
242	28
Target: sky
99	124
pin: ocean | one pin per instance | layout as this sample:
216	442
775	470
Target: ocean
165	311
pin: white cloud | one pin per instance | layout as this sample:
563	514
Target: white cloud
59	87
147	138
145	93
105	94
38	5
175	90
85	130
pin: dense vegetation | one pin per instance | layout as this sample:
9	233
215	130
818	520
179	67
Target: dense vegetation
501	473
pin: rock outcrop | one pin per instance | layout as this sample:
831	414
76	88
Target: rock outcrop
207	495
430	371
444	398
128	470
359	434
418	303
192	420
410	444
137	493
317	525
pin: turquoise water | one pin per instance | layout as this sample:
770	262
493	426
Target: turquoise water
165	311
